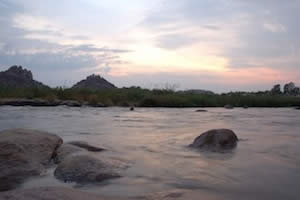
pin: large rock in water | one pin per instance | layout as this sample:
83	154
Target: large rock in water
85	169
24	153
66	150
216	140
94	82
50	193
74	148
17	77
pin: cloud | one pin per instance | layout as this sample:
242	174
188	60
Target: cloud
144	41
248	33
92	48
52	51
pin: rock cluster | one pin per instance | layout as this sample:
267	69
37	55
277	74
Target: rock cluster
24	153
45	103
28	153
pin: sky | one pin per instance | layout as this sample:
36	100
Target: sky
218	45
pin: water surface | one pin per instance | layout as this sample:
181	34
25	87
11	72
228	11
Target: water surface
152	141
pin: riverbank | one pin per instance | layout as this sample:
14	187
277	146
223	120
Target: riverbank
138	97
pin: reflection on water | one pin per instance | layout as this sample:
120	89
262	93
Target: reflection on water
265	165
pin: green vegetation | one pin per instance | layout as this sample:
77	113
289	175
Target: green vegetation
136	96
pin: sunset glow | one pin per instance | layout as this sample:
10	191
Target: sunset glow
187	41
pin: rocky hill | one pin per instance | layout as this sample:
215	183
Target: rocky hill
17	77
94	82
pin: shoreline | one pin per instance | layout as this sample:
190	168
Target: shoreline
20	102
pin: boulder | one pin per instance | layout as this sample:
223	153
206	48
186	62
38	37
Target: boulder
86	146
216	140
24	153
66	150
84	169
50	193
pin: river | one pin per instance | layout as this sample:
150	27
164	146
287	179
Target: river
153	142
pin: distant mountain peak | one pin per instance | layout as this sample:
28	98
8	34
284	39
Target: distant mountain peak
18	77
18	71
94	82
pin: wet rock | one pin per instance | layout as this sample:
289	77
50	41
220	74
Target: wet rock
85	169
298	108
66	150
131	108
96	105
24	153
28	102
71	103
50	193
228	106
201	110
85	145
216	140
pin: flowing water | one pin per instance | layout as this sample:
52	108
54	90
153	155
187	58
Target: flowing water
153	142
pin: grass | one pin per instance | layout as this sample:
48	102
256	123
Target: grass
136	96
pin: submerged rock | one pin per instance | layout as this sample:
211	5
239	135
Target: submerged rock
50	193
228	106
85	169
24	153
201	110
86	146
216	140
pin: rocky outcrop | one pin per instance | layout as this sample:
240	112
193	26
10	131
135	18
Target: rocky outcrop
24	153
94	82
217	140
17	77
50	193
85	169
39	103
28	102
